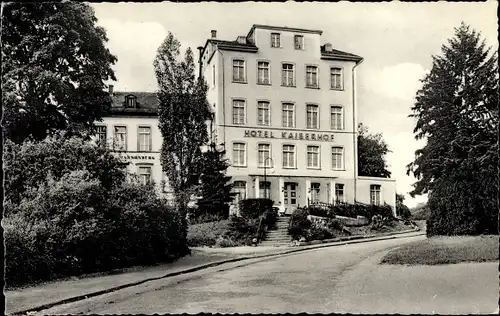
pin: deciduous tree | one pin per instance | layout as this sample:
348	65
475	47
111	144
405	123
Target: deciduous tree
457	113
54	64
371	154
183	111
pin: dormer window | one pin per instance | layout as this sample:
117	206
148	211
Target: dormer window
130	101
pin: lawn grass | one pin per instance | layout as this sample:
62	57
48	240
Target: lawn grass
445	250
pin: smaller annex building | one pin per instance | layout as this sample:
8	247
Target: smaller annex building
131	131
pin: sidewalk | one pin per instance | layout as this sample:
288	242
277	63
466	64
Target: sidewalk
52	293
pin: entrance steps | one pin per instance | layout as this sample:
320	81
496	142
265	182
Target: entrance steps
278	236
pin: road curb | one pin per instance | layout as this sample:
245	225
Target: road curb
324	244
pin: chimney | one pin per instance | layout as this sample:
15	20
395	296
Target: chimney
111	88
242	39
214	34
200	62
328	47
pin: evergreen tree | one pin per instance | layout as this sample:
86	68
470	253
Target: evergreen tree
54	64
457	113
371	154
183	111
215	186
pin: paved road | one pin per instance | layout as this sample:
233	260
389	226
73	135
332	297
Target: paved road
338	279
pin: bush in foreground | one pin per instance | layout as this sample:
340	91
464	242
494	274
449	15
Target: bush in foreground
72	220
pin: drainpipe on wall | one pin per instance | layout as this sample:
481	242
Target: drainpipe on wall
355	131
223	101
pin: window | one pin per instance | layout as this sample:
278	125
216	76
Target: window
375	194
144	138
238	70
145	174
275	40
312	77
240	188
337	158
120	138
265	155
101	133
263	72
312	116
263	113
339	193
130	101
315	192
239	155
336	118
336	79
288	117
299	41
288	156
265	189
238	112
287	75
312	156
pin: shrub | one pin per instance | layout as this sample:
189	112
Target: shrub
206	234
223	241
335	224
317	233
70	227
319	211
299	223
253	208
241	230
205	218
403	211
27	165
347	210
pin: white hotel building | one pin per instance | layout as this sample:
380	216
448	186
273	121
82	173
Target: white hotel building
284	110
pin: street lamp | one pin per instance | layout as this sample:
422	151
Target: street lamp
265	175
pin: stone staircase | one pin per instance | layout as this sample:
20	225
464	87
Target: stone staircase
278	236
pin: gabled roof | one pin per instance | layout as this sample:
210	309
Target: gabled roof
146	103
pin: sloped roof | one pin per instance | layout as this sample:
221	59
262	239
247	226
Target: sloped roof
223	44
337	54
146	103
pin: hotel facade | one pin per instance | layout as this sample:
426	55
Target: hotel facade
284	109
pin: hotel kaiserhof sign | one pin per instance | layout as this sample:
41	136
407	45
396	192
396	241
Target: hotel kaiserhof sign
289	135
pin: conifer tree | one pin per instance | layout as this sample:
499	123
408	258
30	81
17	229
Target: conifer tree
457	113
215	185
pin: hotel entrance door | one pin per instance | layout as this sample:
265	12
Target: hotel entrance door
290	195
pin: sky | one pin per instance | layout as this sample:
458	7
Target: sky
395	39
